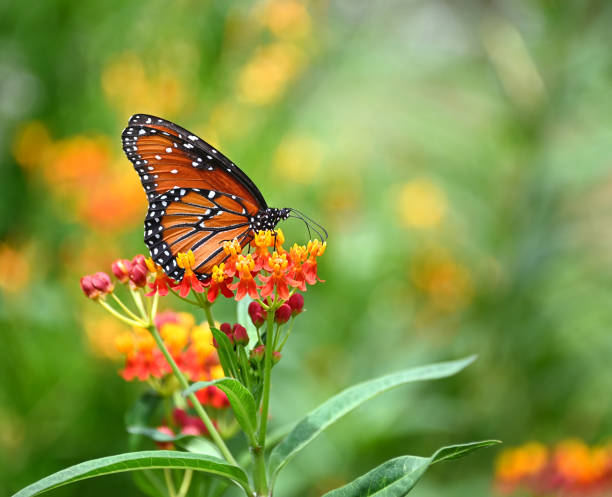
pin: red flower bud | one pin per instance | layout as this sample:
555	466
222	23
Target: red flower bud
227	329
257	354
101	281
139	259
96	285
121	269
283	313
296	302
240	335
257	313
276	356
88	288
138	274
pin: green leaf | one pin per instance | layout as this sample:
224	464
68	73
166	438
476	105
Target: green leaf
460	450
225	351
396	477
239	397
347	400
131	461
200	445
243	318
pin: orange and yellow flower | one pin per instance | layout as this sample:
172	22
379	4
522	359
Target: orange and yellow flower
190	281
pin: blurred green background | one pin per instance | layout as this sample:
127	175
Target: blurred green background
457	152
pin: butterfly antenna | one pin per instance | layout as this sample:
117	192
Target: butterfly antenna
313	223
304	221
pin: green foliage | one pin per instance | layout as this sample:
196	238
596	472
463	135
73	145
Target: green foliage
241	400
339	405
158	459
395	478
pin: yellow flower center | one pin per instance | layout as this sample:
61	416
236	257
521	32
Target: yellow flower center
186	261
245	264
278	262
263	239
218	273
232	248
298	253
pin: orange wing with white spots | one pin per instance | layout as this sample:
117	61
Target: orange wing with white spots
198	198
196	219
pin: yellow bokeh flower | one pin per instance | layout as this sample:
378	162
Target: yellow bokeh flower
266	76
421	204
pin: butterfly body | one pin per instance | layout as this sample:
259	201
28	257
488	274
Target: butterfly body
197	197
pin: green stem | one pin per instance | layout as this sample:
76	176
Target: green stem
214	434
184	488
120	316
258	452
124	307
192	302
280	348
259	471
138	300
269	349
154	307
169	482
209	316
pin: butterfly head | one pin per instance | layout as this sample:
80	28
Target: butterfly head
267	219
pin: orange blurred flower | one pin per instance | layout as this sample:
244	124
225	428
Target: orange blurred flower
15	269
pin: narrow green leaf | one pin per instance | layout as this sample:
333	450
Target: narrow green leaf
243	318
396	477
347	400
132	461
239	397
460	450
225	351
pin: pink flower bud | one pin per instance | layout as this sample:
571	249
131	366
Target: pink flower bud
121	269
296	302
139	259
227	329
276	356
96	285
257	313
138	275
257	354
88	287
283	313
240	335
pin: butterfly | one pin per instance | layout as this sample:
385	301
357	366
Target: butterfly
198	198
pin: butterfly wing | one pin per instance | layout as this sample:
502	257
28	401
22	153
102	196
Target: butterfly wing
194	219
166	156
198	198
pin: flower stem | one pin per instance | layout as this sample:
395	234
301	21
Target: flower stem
120	316
209	316
138	300
124	307
192	302
169	482
214	434
258	452
184	488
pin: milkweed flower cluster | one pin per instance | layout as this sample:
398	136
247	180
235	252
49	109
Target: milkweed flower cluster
571	468
191	347
168	350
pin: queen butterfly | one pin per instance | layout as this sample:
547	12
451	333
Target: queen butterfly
198	198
